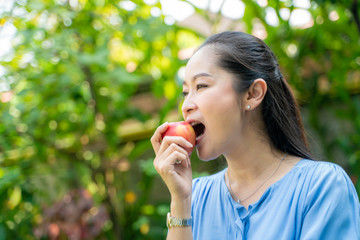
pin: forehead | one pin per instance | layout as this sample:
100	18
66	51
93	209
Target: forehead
203	61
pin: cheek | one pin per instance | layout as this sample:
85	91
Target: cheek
226	121
225	110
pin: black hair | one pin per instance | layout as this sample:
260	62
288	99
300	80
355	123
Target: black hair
249	58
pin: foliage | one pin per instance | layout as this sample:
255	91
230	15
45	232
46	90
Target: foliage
73	73
74	69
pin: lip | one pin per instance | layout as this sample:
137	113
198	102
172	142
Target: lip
198	139
192	120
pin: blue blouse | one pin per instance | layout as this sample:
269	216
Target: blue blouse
315	200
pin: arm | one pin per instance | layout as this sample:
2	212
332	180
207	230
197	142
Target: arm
177	177
332	206
181	209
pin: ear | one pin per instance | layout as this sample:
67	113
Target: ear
255	94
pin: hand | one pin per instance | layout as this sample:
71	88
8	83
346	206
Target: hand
172	162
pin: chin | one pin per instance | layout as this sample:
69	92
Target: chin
206	157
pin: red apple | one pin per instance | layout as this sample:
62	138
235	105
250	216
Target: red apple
183	129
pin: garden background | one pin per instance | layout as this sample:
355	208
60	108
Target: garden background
84	83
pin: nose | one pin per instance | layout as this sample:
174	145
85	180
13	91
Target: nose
188	106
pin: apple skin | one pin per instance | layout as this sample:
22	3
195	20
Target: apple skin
182	129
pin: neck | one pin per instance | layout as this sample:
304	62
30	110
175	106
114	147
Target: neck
251	158
247	165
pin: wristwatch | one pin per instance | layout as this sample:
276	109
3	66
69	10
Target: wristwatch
177	222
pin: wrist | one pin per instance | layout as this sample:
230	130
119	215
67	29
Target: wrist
181	208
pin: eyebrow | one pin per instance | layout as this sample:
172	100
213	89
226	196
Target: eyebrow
199	75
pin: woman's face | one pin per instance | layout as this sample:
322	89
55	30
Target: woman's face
209	98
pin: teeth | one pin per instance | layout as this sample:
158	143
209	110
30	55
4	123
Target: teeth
194	123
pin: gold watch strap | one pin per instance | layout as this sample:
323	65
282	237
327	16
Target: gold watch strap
177	222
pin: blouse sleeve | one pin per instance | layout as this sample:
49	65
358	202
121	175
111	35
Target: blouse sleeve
331	209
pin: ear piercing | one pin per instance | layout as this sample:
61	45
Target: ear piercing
248	106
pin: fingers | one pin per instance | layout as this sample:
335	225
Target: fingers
156	139
180	141
177	155
166	164
172	150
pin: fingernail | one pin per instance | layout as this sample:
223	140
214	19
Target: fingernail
189	144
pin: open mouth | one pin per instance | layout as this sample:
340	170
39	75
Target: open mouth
199	129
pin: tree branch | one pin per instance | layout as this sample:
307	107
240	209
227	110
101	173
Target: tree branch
354	10
90	80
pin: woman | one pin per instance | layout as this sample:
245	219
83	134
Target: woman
242	108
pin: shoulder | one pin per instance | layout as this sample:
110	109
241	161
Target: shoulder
326	181
331	207
320	171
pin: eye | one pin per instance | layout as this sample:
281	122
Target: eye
199	86
184	93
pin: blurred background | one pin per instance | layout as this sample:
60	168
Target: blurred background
84	84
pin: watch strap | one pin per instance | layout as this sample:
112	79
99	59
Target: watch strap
177	222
